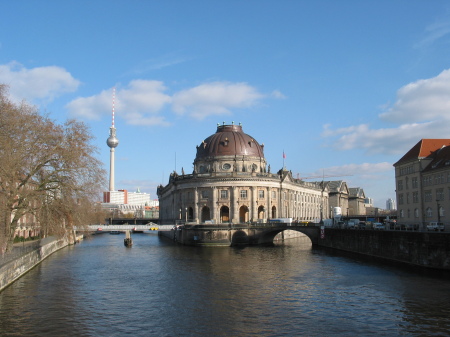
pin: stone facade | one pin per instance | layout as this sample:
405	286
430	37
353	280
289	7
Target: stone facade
232	183
422	178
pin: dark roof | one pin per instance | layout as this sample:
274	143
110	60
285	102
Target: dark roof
356	192
423	149
229	140
441	159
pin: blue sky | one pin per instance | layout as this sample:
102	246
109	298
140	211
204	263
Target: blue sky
344	88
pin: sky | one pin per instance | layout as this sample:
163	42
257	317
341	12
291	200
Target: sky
343	88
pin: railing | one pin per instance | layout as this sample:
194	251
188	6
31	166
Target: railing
121	227
19	249
240	226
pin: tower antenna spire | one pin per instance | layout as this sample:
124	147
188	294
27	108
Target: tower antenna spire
112	142
113	105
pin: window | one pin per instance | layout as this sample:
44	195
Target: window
400	185
416	213
400	199
414	182
204	194
415	197
274	195
223	194
429	212
261	194
440	194
427	196
243	194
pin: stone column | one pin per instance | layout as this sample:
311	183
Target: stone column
196	206
234	205
254	205
214	204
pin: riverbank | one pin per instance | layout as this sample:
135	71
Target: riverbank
21	264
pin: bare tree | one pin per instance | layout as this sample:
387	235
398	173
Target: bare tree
47	170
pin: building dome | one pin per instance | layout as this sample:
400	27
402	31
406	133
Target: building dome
229	140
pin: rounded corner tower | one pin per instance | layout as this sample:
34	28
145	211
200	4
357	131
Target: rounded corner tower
229	150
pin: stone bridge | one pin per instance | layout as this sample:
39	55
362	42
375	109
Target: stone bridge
230	235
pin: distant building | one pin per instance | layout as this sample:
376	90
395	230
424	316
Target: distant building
368	202
422	178
391	205
122	202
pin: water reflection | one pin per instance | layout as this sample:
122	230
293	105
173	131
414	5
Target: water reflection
101	288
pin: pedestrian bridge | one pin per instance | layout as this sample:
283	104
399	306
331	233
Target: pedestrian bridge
122	228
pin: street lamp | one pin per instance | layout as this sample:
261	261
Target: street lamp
438	212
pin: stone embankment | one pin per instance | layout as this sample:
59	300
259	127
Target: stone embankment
12	270
424	249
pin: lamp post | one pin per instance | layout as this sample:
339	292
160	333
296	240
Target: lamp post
438	212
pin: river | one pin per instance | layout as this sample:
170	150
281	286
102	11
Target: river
158	288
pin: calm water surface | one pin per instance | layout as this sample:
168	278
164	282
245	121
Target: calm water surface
157	288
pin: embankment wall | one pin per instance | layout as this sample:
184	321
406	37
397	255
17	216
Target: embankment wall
16	268
425	249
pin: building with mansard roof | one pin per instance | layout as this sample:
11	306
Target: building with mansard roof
231	182
422	178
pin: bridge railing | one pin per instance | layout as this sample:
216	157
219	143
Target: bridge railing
242	226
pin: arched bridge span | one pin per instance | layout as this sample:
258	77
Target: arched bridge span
260	235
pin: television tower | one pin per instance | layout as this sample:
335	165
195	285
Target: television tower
112	142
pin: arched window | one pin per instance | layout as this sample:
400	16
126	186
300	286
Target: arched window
224	214
261	212
206	215
243	214
274	212
429	212
416	213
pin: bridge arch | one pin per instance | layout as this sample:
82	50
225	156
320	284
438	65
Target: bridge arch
266	235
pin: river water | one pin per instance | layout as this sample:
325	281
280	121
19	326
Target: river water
158	288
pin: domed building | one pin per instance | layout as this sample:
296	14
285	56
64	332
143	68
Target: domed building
232	183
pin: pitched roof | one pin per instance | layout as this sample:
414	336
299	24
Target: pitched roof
423	149
356	192
441	159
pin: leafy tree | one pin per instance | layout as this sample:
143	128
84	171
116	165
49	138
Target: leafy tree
47	170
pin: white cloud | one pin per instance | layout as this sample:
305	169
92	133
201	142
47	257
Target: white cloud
423	100
142	101
216	98
420	111
343	172
139	103
433	33
36	84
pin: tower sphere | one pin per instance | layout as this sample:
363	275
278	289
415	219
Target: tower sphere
112	141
